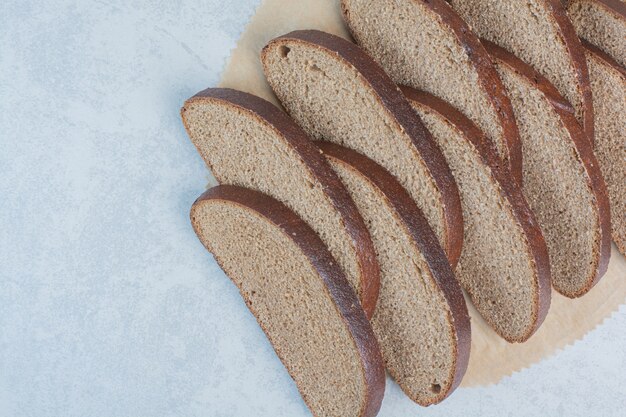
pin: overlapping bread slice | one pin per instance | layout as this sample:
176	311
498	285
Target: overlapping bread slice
562	180
504	264
540	33
424	44
249	142
421	320
300	297
608	82
602	23
339	94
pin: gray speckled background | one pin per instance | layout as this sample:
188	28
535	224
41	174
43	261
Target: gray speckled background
109	306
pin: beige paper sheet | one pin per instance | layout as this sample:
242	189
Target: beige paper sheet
491	358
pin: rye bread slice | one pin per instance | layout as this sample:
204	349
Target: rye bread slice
299	296
562	180
339	94
602	23
504	266
608	82
421	320
249	142
424	44
540	33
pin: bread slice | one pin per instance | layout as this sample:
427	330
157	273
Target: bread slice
602	23
338	94
299	296
421	320
424	44
562	179
540	33
608	82
504	266
249	142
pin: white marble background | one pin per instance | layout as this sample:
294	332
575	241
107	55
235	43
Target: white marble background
109	306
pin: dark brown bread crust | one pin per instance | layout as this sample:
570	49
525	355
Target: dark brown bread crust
392	99
617	7
488	76
418	228
584	151
310	155
612	63
576	52
602	55
511	192
572	44
320	258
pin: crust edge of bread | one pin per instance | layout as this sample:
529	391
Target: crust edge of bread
584	152
511	192
388	94
603	56
610	62
577	55
616	7
414	222
335	281
270	115
488	78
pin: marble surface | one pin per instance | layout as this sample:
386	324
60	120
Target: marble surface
109	306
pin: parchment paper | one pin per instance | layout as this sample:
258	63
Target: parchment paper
491	358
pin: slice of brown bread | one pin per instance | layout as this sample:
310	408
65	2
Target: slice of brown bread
602	23
504	265
338	94
608	82
540	33
249	142
299	296
426	45
421	320
562	180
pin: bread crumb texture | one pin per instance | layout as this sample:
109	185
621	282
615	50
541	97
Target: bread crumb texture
600	26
